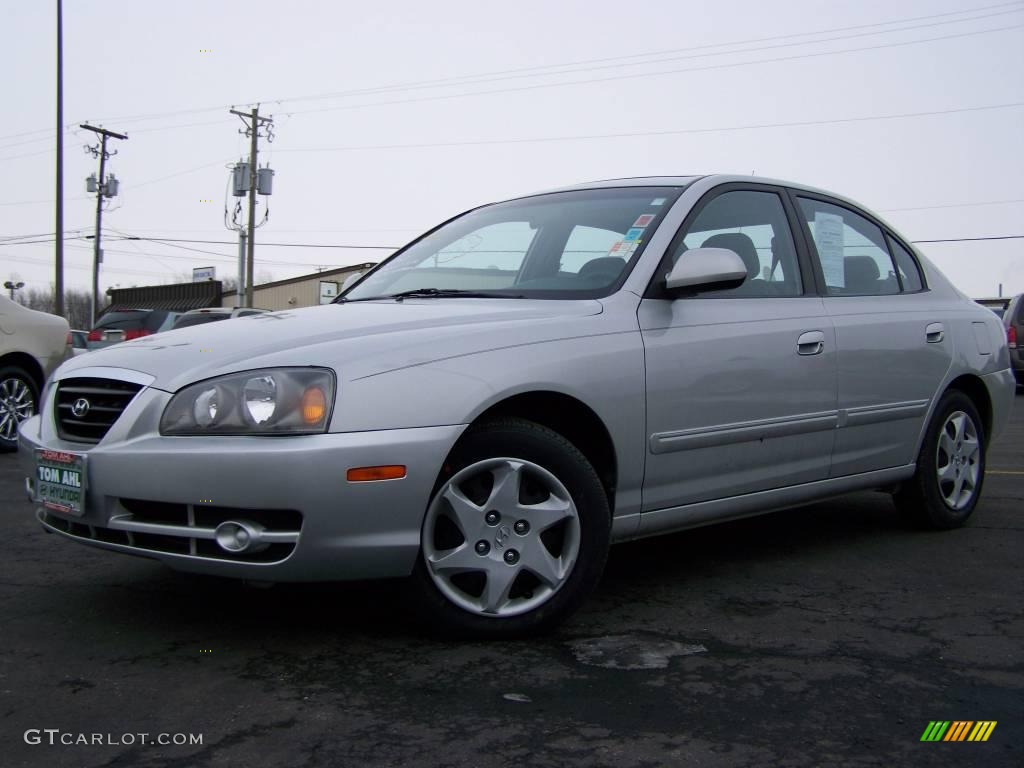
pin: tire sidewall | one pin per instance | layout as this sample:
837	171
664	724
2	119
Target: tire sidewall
531	442
938	512
14	372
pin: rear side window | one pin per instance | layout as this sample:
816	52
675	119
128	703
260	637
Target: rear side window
910	275
852	251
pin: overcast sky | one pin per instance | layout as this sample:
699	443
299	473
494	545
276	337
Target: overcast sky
404	152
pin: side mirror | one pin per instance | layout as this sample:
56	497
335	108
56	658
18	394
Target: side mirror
349	281
705	269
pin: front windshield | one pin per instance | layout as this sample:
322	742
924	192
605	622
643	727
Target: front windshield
560	245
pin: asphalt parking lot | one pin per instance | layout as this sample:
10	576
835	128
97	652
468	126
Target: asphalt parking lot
827	635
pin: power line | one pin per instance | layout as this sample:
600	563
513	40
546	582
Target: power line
666	132
46	151
498	74
970	239
276	245
595	65
950	205
613	78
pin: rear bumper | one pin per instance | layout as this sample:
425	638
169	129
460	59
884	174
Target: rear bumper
348	530
1002	393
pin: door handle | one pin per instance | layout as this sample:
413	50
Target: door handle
935	332
810	343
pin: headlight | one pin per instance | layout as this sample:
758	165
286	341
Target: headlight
273	401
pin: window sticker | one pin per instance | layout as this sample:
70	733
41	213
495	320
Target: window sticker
658	201
645	219
828	237
633	235
623	248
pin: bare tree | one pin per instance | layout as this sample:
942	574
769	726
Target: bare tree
76	304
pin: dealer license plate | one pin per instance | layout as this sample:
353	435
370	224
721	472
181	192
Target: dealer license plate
60	481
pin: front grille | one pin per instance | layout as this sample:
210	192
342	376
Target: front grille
187	529
106	398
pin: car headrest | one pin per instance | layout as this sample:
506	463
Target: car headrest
607	266
861	274
742	246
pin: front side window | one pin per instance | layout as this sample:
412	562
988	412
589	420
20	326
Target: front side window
852	251
561	245
754	226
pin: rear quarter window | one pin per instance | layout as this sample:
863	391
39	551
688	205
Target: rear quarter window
906	265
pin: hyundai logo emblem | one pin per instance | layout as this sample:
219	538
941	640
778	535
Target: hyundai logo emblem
80	408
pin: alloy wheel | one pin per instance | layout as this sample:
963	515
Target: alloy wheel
16	405
957	460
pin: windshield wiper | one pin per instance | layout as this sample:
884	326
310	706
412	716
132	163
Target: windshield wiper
423	293
430	293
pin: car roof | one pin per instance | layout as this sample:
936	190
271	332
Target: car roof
685	181
709	180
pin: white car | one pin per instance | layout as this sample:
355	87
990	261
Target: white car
32	344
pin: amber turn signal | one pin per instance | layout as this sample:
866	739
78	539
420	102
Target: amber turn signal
314	405
369	474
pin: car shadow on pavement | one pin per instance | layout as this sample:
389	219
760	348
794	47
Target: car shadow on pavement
162	599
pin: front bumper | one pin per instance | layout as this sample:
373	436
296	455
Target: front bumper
348	530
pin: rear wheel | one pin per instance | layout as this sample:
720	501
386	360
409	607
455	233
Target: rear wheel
516	534
19	399
950	467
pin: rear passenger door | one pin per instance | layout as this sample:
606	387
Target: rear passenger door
893	350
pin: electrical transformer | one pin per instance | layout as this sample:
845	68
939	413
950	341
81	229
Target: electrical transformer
90	183
265	181
110	188
241	180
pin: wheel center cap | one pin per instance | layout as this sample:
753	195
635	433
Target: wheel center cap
502	536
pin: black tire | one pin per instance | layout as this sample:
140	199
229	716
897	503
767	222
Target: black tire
11	376
922	499
519	439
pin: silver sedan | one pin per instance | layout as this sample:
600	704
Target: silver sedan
493	406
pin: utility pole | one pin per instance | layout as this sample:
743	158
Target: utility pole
243	235
58	282
253	123
104	187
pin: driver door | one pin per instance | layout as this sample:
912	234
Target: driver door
741	383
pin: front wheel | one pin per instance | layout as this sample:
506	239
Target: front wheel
516	534
950	467
19	399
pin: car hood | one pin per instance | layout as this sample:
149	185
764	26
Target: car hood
357	339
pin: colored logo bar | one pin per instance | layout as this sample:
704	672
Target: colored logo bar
958	730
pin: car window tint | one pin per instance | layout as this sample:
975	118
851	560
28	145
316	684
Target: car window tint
910	275
123	320
571	244
754	226
585	244
851	250
190	320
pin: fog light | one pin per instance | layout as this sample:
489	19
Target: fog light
240	536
